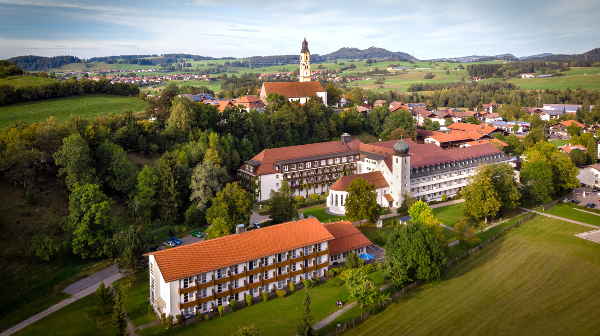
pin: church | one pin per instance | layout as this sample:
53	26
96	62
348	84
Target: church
300	91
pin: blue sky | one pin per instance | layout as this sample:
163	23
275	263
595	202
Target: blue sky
429	29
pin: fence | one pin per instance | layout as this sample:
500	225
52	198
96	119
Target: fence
414	284
553	203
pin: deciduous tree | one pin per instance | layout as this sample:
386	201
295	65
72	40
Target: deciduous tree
361	202
282	205
76	161
207	179
233	204
421	212
362	289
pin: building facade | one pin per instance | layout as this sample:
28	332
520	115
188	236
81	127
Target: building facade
199	277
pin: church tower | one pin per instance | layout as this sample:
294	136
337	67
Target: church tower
305	62
400	171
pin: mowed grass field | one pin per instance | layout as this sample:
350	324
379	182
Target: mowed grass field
62	108
20	81
538	280
566	211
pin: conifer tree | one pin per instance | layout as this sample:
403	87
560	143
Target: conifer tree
305	326
102	308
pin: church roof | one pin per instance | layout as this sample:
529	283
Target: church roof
376	178
304	47
293	89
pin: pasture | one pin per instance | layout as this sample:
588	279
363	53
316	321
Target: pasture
537	280
20	81
62	108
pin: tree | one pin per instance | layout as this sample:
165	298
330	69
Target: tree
413	252
472	120
361	202
182	118
246	331
119	321
102	307
233	204
207	179
399	119
504	183
282	205
76	161
353	121
362	289
305	326
147	192
573	129
407	202
465	234
89	224
353	260
42	247
333	94
131	261
376	118
578	157
536	175
115	166
421	212
169	196
218	228
399	133
481	198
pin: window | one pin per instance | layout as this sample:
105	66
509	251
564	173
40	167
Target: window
219	288
218	274
204	306
352	158
337	160
316	163
294	267
293	167
305	250
341	199
277	176
265	261
266	275
152	269
186	297
236	283
323	162
285	168
300	166
308	165
277	185
344	159
187	282
336	200
204	293
330	161
203	278
319	247
279	284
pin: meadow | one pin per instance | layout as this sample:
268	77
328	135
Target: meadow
20	81
62	108
537	280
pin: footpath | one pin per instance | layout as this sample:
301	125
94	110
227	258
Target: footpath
78	290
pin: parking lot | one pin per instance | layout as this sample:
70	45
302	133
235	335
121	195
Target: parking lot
590	197
184	241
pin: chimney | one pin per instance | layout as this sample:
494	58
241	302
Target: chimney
346	137
239	228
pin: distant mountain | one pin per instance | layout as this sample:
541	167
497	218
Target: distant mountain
40	63
474	58
591	56
538	55
372	52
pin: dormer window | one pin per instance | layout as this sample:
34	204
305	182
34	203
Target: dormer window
301	166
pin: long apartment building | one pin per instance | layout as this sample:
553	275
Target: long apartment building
198	277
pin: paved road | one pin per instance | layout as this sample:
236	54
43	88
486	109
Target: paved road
256	218
83	288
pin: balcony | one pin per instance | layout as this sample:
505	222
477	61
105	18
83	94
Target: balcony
188	304
324	252
187	290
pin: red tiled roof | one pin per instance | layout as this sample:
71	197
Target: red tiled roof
480	142
472	135
183	261
347	237
568	149
293	89
388	197
472	128
375	178
451	155
452	137
569	122
421	133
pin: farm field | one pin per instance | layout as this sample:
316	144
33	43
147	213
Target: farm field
587	82
62	108
20	81
538	280
215	85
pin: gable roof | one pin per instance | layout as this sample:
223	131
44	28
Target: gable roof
375	178
346	237
569	122
472	128
452	155
484	141
209	255
452	137
293	89
568	149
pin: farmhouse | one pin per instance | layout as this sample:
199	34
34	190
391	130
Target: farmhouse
561	128
199	277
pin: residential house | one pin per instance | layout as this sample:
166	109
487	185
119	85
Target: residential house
590	175
527	75
567	149
550	114
492	117
561	128
452	140
251	103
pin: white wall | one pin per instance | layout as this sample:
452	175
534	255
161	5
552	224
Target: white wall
269	182
589	176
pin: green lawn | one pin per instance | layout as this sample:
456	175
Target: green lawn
565	211
538	280
70	320
19	81
136	304
559	142
451	214
62	108
321	215
587	82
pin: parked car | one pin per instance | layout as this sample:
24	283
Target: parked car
197	234
591	205
170	243
175	240
595	189
257	225
566	200
575	201
154	249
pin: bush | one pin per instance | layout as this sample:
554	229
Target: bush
315	197
180	319
206	317
331	273
30	196
281	293
317	280
292	286
307	283
336	282
233	305
376	309
444	198
265	296
221	309
299	199
249	300
369	268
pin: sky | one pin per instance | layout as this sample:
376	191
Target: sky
241	28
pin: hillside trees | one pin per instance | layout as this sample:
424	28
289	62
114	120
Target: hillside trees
114	167
400	119
76	160
207	179
233	204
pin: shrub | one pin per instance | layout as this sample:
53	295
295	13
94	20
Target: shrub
167	247
180	319
331	273
221	309
169	321
292	286
233	305
317	280
249	300
338	281
281	293
299	199
307	283
206	317
444	198
265	296
368	269
376	309
315	197
30	196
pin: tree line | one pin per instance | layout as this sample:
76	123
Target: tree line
513	69
39	63
57	89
